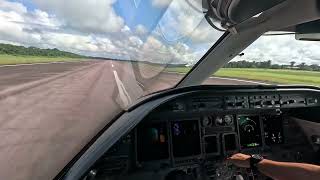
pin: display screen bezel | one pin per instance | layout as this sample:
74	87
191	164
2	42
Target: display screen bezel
281	130
167	159
236	142
239	133
199	136
217	144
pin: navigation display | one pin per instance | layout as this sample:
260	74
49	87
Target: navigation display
185	138
249	131
152	142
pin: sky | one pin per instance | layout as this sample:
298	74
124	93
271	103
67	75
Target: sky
166	31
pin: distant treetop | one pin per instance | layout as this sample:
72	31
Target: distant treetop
34	51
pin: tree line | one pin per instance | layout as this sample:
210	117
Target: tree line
9	49
269	65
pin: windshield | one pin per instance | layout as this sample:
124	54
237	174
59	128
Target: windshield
69	67
277	60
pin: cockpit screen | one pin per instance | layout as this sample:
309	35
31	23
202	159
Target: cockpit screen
211	145
230	142
152	142
273	130
249	131
185	138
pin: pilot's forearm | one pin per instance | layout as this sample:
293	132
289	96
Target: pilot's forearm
289	171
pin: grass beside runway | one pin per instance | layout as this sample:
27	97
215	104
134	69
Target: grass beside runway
10	59
281	76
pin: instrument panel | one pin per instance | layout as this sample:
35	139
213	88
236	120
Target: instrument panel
194	133
207	129
206	136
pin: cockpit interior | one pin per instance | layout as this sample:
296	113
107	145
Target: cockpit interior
189	134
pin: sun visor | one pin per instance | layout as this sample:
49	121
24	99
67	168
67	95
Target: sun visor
237	11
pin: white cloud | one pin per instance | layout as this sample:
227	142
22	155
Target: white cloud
141	30
45	28
161	3
182	36
282	50
12	31
181	21
153	44
105	44
18	26
85	16
12	6
70	41
135	41
125	30
154	50
205	34
42	18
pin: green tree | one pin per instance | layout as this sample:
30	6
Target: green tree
34	51
314	67
302	66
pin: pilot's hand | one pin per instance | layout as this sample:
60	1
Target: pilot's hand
240	160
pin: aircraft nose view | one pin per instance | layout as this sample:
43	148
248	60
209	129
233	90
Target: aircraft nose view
160	89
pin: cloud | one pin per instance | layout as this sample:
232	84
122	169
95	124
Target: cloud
85	16
60	24
154	44
154	50
135	41
17	25
282	50
182	36
161	3
42	18
182	24
15	32
204	34
12	6
141	30
182	21
36	28
70	42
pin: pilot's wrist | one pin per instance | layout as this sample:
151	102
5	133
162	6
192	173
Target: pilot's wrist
264	163
255	160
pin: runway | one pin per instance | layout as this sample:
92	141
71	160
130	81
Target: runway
56	108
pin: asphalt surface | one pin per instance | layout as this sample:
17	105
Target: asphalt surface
48	112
